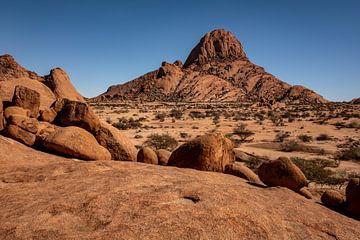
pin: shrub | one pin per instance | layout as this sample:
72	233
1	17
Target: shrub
305	138
160	116
294	146
163	141
176	113
124	124
281	136
323	137
254	162
352	153
315	170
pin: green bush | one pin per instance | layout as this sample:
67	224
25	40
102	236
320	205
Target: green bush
163	141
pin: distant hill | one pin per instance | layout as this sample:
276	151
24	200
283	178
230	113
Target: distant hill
216	70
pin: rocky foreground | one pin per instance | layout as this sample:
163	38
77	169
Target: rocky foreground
49	197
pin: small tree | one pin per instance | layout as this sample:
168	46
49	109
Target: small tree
242	132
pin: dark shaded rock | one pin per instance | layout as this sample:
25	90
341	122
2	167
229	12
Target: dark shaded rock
27	98
282	172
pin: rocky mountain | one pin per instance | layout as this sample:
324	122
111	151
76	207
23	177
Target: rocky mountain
217	69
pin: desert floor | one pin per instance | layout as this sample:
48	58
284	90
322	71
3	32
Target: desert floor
339	123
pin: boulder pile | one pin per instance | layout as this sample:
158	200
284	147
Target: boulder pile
68	128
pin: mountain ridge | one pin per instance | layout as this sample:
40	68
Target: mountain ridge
216	70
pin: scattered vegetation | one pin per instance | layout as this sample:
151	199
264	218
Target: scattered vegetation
351	153
305	138
281	136
317	170
124	123
323	137
161	141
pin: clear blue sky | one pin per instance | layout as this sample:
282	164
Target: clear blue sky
315	43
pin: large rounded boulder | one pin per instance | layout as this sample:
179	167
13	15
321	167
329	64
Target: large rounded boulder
333	199
59	82
353	197
74	142
282	172
147	155
163	156
210	152
118	144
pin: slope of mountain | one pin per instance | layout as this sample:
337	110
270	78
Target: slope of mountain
217	69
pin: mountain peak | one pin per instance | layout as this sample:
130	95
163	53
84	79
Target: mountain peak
218	44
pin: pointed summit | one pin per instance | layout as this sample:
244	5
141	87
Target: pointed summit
216	45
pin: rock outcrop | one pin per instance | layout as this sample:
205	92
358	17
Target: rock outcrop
282	172
216	70
119	145
73	113
59	82
210	152
51	197
10	69
1	116
75	142
353	197
28	99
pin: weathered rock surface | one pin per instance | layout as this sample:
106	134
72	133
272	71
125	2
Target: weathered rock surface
242	171
210	152
147	155
14	110
46	95
59	82
163	156
282	172
26	123
19	134
333	199
216	70
55	198
48	115
73	113
28	99
75	142
10	69
353	197
118	144
1	116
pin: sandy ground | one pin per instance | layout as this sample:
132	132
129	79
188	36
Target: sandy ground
265	131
